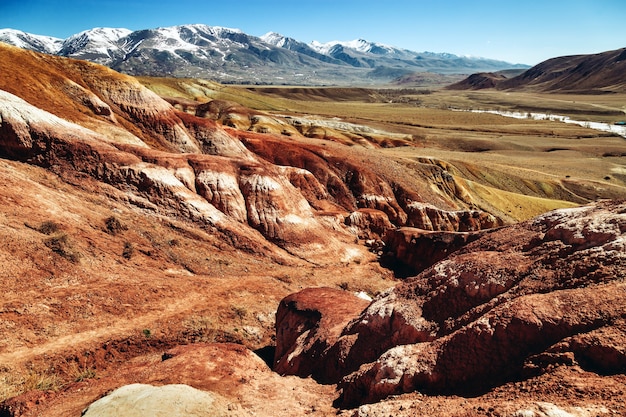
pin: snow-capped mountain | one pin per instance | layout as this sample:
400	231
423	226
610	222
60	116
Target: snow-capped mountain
39	43
294	45
100	45
230	55
360	45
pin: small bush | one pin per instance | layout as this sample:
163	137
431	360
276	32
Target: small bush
239	312
129	250
201	329
48	227
114	226
61	245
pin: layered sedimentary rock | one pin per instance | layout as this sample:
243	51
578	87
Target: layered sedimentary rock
506	306
259	190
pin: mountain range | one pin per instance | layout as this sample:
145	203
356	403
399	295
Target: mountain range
232	56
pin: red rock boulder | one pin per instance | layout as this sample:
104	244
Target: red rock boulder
308	324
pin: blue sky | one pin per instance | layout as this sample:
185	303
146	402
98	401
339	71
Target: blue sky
521	31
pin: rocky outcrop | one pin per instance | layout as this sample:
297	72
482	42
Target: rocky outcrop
508	305
428	217
308	323
491	349
369	223
374	203
408	251
177	400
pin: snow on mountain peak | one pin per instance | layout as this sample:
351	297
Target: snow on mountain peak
218	31
360	45
323	48
46	44
274	38
101	35
101	42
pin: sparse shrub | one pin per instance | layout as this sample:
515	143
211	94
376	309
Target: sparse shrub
146	333
41	381
129	250
114	226
344	285
87	373
48	227
286	278
79	373
239	312
61	245
201	329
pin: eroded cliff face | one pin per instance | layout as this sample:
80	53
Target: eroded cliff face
509	305
272	191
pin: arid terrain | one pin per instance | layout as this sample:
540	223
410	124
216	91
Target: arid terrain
305	251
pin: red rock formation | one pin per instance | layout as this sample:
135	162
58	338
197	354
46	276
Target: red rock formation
356	187
229	191
307	324
503	307
474	318
369	223
408	251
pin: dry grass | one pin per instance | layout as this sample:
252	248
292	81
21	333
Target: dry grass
14	383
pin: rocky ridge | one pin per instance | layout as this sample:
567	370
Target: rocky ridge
513	304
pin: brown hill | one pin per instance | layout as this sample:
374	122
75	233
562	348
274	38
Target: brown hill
478	81
586	74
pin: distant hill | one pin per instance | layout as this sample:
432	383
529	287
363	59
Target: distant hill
587	74
232	56
479	81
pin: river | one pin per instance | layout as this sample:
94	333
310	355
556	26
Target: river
605	127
